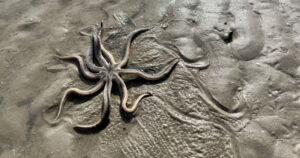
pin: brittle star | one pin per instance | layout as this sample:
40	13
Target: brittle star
108	72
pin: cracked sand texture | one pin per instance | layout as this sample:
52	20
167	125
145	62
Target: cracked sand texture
247	52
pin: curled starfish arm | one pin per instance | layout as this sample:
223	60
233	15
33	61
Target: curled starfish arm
103	49
106	103
124	96
77	91
132	35
163	72
86	73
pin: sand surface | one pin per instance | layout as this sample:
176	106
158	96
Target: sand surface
234	93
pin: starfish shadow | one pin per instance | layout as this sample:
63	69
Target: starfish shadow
96	129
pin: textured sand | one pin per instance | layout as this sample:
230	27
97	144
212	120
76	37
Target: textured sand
247	64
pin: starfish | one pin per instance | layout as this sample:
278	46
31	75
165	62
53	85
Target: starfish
108	70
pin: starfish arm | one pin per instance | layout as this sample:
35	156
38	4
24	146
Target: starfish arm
77	91
125	58
93	50
124	96
86	73
102	48
106	103
163	72
96	49
89	60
